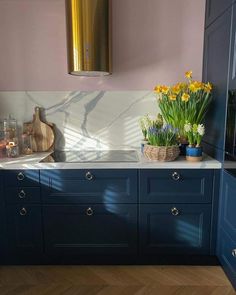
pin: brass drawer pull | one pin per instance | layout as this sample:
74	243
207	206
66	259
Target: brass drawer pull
20	176
175	176
89	211
89	176
174	211
23	212
22	194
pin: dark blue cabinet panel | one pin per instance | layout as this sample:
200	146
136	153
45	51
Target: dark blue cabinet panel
90	229
216	65
227	255
178	186
175	229
232	73
226	248
2	222
22	195
214	8
228	204
94	186
21	178
24	229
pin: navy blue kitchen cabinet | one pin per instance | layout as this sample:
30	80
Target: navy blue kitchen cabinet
81	216
232	73
175	229
90	229
226	247
215	70
24	230
176	186
89	186
214	8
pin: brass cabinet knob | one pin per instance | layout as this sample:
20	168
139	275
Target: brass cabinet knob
89	175
20	176
174	211
175	176
22	194
23	211
89	211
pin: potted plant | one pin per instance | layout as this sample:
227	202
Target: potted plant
184	102
162	144
145	123
194	133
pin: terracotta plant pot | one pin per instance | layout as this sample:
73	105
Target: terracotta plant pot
194	154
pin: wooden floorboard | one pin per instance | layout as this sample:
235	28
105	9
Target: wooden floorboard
114	280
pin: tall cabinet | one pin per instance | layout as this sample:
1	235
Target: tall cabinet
220	69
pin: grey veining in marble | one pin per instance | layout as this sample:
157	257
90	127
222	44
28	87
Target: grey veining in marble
86	120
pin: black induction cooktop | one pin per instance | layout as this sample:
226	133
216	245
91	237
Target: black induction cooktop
92	156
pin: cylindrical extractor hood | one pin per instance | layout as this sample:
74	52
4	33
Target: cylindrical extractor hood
88	37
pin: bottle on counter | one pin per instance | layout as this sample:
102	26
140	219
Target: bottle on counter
27	144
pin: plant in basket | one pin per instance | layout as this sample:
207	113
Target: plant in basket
162	144
184	102
195	134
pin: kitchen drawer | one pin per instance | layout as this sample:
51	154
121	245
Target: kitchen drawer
227	253
175	229
22	195
21	178
90	229
89	186
176	186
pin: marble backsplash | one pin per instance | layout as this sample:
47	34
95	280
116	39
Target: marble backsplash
85	120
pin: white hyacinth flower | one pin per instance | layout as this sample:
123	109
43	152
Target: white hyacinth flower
201	129
187	127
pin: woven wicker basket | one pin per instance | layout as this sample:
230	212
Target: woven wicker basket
161	153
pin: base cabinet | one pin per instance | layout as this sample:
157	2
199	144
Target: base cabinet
90	229
106	216
175	229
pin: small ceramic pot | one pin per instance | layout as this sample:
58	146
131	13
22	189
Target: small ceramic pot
194	154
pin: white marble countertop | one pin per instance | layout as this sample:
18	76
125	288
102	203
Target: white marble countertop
32	162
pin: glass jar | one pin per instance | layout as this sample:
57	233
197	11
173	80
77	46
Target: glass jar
10	128
27	144
12	148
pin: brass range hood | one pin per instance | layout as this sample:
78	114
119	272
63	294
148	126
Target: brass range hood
88	37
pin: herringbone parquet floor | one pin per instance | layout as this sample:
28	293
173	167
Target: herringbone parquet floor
114	280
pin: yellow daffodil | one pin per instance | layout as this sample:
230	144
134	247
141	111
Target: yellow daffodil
165	89
207	87
195	86
172	97
188	75
158	89
176	89
185	97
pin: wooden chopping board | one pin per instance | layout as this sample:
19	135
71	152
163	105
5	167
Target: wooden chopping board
43	137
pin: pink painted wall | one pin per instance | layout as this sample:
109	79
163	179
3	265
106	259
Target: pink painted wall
153	41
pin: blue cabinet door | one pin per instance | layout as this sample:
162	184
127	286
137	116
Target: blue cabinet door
216	65
90	229
175	229
24	231
226	248
89	186
214	8
176	186
232	73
